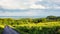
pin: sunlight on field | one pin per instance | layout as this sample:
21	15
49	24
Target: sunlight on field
48	24
2	26
22	28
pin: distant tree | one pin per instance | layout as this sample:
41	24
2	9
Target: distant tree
38	20
51	18
43	19
58	18
29	20
1	21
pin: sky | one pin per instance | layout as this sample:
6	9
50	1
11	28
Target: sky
29	7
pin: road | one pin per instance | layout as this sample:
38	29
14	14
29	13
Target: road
8	30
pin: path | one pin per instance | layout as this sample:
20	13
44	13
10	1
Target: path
8	30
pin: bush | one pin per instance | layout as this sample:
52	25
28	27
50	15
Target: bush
1	30
38	30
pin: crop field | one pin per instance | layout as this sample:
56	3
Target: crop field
48	25
40	28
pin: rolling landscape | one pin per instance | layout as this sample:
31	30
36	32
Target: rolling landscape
47	25
29	16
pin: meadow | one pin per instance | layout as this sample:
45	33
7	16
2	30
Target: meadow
48	25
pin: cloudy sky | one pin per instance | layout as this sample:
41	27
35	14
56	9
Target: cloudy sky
29	7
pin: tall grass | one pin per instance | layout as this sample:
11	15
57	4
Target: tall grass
32	28
41	28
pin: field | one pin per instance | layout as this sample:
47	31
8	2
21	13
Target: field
40	28
47	25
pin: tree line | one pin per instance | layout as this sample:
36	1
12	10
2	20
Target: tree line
12	21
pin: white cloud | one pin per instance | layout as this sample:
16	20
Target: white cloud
38	6
26	4
55	1
52	4
58	7
19	4
31	13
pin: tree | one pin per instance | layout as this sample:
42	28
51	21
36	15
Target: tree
51	18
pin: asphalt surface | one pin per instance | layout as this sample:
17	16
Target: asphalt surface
8	30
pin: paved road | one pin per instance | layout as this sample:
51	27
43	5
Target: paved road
8	30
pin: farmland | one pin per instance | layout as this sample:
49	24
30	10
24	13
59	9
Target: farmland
48	25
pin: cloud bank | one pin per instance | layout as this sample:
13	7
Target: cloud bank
27	4
29	7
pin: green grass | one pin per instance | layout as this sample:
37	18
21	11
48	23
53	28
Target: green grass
32	28
40	28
